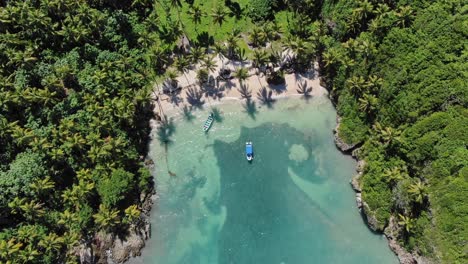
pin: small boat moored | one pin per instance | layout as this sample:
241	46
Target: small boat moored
208	122
249	151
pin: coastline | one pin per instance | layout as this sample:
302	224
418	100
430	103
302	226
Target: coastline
126	250
390	231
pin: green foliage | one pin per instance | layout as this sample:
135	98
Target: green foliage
27	168
74	121
260	10
114	188
396	72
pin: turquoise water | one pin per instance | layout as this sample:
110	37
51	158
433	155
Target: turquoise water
293	204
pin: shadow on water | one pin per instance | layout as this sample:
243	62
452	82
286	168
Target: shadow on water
217	114
164	133
187	113
262	201
250	108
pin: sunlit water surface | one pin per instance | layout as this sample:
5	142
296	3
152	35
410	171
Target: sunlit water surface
293	204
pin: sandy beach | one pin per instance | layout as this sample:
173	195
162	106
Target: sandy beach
193	96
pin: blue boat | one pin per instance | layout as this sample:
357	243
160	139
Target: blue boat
249	151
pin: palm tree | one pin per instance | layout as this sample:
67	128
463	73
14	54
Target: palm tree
232	45
28	254
196	14
374	82
393	175
375	25
219	49
197	54
303	51
271	31
241	74
202	76
66	218
418	191
40	144
172	78
219	15
365	8
9	249
387	135
257	37
132	214
367	49
406	222
405	14
51	243
330	57
368	103
106	218
56	154
209	64
259	58
183	66
71	239
381	10
42	186
390	135
356	84
32	210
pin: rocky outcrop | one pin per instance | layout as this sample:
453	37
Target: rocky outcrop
343	146
111	248
372	221
405	257
391	231
130	246
86	254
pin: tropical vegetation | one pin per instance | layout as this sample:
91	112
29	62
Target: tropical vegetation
78	85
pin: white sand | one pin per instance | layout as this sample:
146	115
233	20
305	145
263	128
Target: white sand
228	90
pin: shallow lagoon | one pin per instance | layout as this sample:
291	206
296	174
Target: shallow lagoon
293	204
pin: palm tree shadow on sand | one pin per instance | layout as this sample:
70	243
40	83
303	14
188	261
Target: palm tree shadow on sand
194	97
265	96
304	90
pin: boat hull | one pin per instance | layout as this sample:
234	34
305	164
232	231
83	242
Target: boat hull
249	154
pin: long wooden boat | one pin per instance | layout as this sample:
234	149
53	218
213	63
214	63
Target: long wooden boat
208	123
